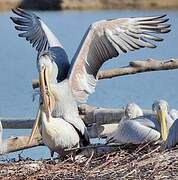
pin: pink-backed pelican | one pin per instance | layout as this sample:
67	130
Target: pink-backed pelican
102	41
137	129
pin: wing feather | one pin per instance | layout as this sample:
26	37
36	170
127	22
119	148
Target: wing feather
134	132
107	39
34	30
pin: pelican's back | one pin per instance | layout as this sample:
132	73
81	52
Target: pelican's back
135	131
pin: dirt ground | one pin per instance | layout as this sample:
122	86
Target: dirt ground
141	162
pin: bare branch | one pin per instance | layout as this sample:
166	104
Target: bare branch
139	67
19	143
89	114
134	67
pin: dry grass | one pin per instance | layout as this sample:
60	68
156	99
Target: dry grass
143	162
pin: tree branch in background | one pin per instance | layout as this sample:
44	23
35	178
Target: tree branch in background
139	67
134	67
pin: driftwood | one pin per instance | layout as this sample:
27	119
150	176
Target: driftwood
20	143
14	144
89	114
100	123
134	67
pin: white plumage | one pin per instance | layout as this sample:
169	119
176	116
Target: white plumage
58	134
137	129
3	144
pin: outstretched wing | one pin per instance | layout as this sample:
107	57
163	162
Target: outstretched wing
172	139
107	39
134	132
34	30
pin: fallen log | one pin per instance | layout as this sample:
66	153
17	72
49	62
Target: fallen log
20	143
14	144
100	123
134	67
89	114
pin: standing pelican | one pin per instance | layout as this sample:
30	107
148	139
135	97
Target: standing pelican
137	129
52	60
103	40
57	133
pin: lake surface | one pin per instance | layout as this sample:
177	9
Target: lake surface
18	67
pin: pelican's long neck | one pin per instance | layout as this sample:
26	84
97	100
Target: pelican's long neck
45	122
52	40
54	74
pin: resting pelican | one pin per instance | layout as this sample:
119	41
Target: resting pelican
138	129
3	144
103	40
172	132
132	111
172	139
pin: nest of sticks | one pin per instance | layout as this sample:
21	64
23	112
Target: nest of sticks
128	162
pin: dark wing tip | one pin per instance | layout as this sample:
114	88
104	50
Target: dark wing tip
13	19
16	11
165	30
162	16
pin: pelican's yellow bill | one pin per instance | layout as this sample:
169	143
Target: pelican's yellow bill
163	124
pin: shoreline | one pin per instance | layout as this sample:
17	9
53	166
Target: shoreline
87	4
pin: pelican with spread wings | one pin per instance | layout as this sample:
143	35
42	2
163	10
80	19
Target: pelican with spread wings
68	83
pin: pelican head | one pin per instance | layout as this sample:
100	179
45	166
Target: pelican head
47	76
132	110
160	107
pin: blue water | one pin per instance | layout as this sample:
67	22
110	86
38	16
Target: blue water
18	67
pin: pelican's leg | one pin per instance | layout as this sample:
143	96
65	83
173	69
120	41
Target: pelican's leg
35	126
52	154
73	155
